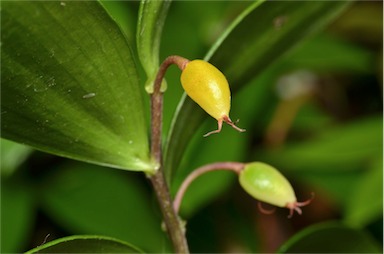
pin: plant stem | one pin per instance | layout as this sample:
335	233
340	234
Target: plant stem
233	166
174	228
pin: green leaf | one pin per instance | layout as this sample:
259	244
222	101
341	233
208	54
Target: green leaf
125	16
87	199
330	237
12	156
366	202
343	147
276	28
152	15
85	244
332	53
70	85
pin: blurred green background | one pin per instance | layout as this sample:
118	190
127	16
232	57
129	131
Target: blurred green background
315	114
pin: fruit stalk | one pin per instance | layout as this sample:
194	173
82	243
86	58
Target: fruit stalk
232	166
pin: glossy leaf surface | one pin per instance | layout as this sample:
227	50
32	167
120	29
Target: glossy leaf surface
275	28
69	84
85	244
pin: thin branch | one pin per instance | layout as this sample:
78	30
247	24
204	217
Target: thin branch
232	166
174	228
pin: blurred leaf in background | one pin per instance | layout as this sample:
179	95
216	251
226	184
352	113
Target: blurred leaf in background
18	213
88	199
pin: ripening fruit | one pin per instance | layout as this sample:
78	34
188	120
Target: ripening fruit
209	88
267	184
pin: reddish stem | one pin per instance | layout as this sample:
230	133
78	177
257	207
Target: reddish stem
233	166
157	103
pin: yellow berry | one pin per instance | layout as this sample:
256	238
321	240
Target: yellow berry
209	88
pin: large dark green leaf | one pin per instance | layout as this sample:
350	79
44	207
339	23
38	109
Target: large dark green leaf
151	19
69	84
85	244
331	237
261	34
